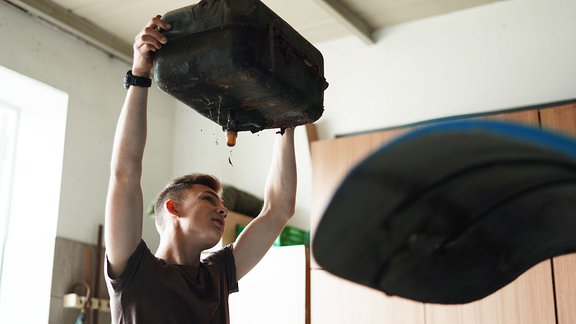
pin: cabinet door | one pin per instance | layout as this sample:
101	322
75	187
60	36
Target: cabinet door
527	300
563	118
565	283
336	301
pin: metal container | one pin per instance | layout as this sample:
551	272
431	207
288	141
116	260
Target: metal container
239	64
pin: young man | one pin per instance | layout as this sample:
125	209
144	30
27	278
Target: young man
174	285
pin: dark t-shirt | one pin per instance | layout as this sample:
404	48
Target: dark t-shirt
153	291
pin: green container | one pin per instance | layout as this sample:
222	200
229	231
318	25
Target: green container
288	236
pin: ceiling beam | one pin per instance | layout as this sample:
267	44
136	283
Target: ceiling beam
353	21
76	25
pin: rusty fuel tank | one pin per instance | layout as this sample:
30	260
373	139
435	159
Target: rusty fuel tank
239	64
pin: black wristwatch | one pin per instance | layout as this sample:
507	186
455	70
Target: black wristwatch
130	79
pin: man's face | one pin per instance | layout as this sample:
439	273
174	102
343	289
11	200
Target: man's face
203	214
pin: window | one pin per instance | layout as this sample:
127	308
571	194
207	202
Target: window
8	124
33	121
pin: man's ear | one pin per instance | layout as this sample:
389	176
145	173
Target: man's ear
171	207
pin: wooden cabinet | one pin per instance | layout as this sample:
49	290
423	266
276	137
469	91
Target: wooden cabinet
527	300
563	119
541	294
565	283
339	301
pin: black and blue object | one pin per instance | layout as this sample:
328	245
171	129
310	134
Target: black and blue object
453	212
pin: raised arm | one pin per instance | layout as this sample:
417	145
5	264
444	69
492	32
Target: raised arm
124	203
279	202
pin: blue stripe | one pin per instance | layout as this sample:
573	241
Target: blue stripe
552	140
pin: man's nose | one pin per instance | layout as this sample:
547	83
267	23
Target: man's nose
223	211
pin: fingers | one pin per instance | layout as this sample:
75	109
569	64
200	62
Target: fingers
157	22
145	42
150	38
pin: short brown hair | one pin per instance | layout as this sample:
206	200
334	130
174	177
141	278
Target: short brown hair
175	188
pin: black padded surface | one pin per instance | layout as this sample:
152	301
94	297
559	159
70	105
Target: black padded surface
453	212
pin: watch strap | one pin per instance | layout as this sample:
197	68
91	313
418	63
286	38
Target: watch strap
132	80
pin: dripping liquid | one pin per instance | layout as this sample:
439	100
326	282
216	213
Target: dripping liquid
230	158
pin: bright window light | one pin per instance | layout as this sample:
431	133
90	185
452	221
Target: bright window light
33	121
8	124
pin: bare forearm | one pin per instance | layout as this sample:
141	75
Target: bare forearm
130	137
279	201
124	205
280	192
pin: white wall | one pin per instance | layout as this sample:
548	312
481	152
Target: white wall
93	81
503	55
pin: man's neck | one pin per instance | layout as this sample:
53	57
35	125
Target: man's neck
175	251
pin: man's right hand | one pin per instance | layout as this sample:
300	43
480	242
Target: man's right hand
149	40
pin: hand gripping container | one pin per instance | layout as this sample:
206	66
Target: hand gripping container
239	64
